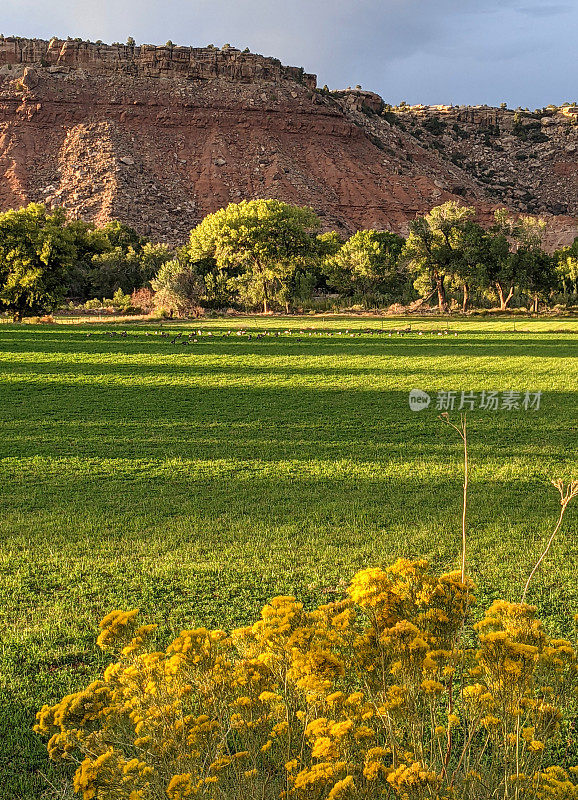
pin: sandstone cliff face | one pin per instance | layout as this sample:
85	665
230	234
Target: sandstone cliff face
194	63
528	161
160	136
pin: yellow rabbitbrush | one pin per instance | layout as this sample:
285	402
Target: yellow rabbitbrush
377	696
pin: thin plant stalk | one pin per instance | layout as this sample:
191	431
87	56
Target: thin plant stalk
567	493
462	432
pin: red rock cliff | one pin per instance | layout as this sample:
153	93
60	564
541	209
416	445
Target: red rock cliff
160	136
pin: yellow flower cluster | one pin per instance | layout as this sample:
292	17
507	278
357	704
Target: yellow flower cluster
111	773
413	780
375	696
120	628
554	783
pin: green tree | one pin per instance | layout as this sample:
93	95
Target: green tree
535	265
501	265
36	254
112	257
540	274
433	250
469	264
88	242
152	256
178	288
328	244
311	276
517	259
368	264
121	235
258	244
128	269
566	266
217	291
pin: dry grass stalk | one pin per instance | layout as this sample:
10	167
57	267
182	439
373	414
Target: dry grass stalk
567	494
462	432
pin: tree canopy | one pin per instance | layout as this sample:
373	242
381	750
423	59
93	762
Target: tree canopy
433	250
367	264
270	254
258	244
36	254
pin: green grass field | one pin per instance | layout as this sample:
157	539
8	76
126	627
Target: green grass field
197	481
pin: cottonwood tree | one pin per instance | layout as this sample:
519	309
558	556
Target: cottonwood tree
88	242
501	268
259	244
112	257
125	269
36	255
328	244
566	265
433	250
536	266
367	264
311	274
469	265
516	259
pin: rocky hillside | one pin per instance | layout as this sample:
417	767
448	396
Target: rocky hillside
160	136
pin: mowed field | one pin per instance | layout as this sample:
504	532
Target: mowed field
197	481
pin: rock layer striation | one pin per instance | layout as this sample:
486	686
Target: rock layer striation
160	136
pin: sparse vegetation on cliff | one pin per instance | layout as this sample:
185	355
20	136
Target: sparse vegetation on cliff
155	186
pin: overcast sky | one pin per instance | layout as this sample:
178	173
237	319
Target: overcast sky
523	52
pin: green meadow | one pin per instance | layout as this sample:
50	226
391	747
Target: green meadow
195	481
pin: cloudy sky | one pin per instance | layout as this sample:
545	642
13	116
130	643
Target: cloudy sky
523	52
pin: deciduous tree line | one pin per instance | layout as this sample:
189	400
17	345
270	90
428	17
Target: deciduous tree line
269	255
45	259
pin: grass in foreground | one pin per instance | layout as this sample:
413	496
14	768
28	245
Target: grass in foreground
197	481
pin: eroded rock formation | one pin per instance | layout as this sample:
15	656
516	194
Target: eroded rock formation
160	136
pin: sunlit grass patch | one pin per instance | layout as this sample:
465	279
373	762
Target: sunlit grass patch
196	481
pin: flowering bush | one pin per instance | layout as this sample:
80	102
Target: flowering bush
387	694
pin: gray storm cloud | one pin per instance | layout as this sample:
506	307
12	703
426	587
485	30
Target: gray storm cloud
460	51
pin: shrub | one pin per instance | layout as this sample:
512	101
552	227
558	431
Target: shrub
390	693
434	125
47	319
121	300
143	300
178	290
